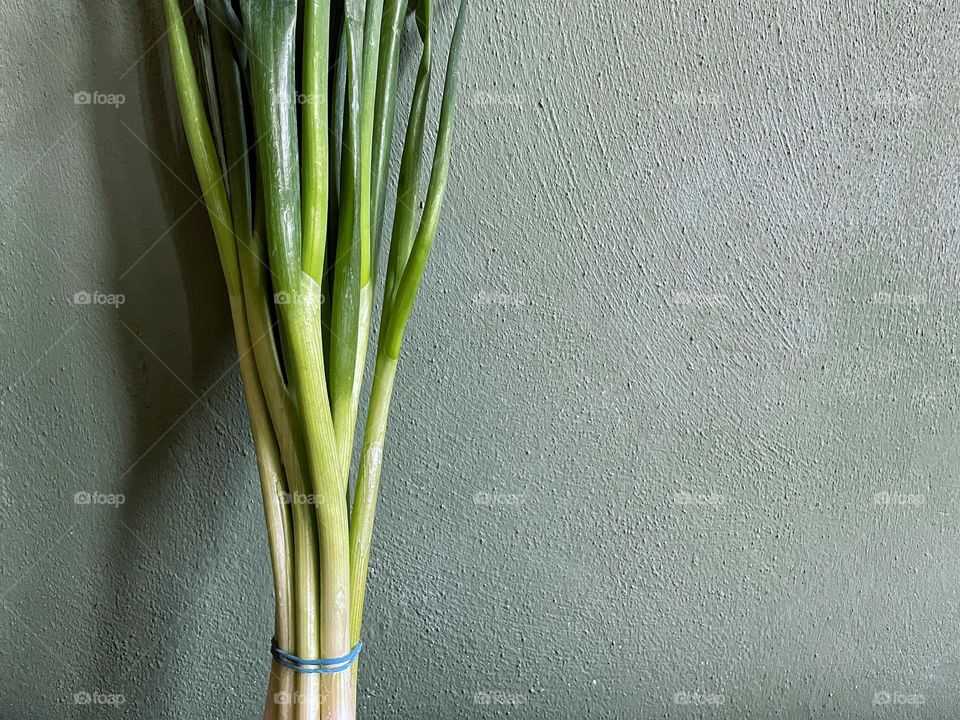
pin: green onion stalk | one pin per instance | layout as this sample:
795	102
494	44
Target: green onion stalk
289	112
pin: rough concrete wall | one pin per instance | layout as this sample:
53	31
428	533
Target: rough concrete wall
676	430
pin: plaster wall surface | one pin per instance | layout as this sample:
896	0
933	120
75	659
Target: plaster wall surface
676	426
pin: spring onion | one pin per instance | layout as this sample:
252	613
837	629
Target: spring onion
289	114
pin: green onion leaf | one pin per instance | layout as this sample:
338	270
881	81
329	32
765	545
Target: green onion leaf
408	184
345	311
413	271
202	148
270	32
316	163
388	71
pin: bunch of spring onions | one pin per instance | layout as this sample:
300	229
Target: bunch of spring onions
289	112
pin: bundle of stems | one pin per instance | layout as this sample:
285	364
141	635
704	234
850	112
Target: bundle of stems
289	113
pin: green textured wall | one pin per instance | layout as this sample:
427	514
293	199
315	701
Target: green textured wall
676	430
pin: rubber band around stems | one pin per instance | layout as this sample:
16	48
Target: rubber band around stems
324	666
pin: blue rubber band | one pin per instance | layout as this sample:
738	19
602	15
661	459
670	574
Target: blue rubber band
324	666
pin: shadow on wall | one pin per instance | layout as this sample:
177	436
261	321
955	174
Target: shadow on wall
174	336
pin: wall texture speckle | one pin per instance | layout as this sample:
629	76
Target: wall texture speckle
676	431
